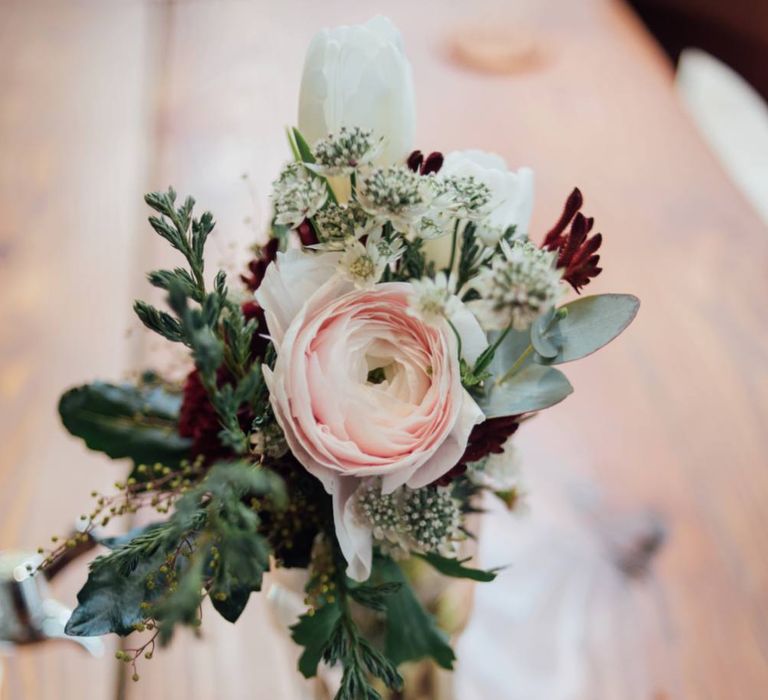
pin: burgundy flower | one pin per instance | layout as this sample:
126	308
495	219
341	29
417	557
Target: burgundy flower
252	310
258	266
307	233
198	420
487	438
577	251
425	166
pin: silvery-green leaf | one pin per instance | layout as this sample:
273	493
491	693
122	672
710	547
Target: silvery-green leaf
513	346
532	388
545	335
591	323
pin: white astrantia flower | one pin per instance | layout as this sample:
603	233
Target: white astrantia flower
511	201
410	521
297	195
465	197
335	223
520	285
363	265
433	300
397	195
345	152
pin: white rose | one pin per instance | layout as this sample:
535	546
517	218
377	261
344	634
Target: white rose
359	76
511	199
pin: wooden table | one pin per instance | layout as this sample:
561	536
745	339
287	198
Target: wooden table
103	101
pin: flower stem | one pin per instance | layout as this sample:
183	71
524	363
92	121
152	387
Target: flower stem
487	355
458	337
454	236
513	369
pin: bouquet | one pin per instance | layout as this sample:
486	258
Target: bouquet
350	397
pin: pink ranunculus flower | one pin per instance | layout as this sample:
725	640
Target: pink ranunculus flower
362	388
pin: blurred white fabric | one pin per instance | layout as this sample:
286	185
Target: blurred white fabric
732	118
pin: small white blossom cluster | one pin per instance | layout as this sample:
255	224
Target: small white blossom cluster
411	520
363	264
465	197
345	152
422	206
519	286
297	194
433	300
395	194
336	223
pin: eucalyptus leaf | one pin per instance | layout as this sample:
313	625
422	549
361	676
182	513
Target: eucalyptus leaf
546	342
532	388
590	323
512	348
139	423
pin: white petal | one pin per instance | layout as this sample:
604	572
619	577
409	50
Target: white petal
288	282
473	338
456	162
355	539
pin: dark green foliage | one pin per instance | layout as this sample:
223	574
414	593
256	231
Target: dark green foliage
137	422
111	599
331	634
374	597
212	326
159	322
164	279
413	263
456	569
211	544
313	632
412	633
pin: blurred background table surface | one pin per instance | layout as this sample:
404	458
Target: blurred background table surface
102	101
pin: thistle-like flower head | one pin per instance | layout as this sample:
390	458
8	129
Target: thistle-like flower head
297	195
520	285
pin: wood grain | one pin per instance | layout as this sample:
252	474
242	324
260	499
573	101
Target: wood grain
72	149
101	101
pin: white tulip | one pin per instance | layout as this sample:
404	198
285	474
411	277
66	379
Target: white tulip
511	199
359	76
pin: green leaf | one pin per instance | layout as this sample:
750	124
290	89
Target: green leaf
532	388
139	423
110	600
590	323
163	279
374	597
545	338
456	569
159	322
303	148
412	633
313	632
